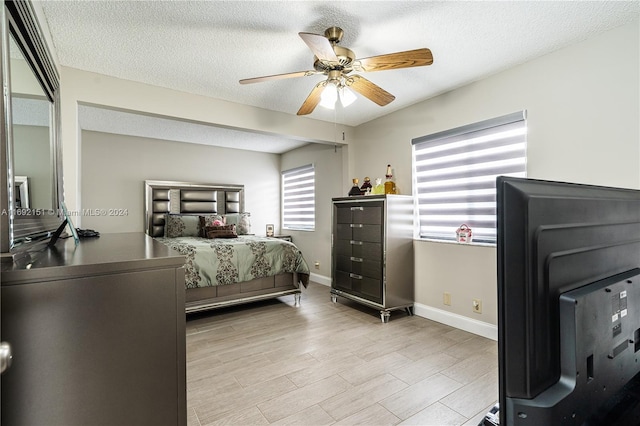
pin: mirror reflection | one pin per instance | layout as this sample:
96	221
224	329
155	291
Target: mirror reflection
32	153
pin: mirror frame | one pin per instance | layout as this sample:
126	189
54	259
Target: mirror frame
24	232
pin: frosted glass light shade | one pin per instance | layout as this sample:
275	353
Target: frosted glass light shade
329	96
347	97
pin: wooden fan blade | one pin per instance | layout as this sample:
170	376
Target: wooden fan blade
320	46
369	90
312	100
393	61
278	77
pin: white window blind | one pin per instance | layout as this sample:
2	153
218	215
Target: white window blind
299	198
455	175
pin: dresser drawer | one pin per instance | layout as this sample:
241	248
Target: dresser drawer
359	232
360	266
368	233
369	213
358	285
365	250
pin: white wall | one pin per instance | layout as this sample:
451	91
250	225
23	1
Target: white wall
114	168
316	245
583	126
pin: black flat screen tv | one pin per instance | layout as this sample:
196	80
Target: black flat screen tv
568	303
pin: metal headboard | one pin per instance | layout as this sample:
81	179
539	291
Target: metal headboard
162	197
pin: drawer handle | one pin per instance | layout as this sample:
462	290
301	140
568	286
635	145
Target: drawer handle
355	243
353	209
356	259
356	225
356	276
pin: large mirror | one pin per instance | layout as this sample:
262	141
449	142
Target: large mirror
30	138
32	141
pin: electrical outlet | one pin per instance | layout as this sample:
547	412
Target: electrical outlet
477	306
317	265
446	298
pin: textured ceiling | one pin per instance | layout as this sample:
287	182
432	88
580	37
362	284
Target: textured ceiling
205	47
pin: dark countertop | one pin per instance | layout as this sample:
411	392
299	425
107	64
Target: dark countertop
109	253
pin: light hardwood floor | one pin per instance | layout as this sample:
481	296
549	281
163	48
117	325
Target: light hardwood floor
326	363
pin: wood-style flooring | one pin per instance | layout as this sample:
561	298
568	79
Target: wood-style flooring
325	363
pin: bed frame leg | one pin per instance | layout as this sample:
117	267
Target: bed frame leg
296	299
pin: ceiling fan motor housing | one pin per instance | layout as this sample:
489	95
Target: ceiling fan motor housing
334	34
345	59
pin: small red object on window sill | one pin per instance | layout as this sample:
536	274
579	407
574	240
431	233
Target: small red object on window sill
464	234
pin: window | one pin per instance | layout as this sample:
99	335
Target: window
455	175
299	198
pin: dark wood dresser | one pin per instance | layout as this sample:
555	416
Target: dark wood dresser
97	334
372	251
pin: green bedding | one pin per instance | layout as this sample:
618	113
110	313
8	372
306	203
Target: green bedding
221	261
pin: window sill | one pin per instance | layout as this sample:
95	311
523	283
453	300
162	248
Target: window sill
473	243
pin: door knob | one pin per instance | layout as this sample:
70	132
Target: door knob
5	356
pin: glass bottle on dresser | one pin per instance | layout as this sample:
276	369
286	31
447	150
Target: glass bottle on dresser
355	190
389	184
366	186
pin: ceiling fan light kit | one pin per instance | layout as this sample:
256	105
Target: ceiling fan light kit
329	96
333	92
347	97
337	63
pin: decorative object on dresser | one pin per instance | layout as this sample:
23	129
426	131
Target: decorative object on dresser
221	271
355	189
270	230
372	252
389	184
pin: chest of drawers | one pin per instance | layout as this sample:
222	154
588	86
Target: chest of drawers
372	251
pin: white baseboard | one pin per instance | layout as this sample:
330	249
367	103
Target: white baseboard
320	279
471	325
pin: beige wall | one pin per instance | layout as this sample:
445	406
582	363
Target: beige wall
583	126
327	160
114	168
32	159
583	108
96	89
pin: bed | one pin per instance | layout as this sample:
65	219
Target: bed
221	271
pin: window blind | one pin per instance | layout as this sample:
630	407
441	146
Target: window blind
455	175
298	198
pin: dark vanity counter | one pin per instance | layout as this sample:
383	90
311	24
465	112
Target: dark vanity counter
122	251
98	334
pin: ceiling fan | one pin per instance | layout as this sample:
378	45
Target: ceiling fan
337	63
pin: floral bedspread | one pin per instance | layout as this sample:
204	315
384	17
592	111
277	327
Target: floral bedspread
222	261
